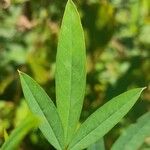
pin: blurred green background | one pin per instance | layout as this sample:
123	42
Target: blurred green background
117	34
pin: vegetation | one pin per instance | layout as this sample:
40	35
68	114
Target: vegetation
117	57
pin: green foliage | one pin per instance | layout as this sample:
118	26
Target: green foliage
133	137
70	70
19	133
41	105
106	117
99	145
117	49
70	84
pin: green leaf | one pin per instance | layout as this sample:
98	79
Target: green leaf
134	136
104	119
19	133
99	145
70	70
41	105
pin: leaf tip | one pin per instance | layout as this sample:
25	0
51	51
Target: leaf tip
19	71
144	88
70	3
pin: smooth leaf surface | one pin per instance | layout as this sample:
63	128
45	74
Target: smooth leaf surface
70	70
104	119
99	145
41	105
134	136
19	133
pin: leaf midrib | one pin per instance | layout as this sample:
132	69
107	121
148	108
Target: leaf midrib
71	74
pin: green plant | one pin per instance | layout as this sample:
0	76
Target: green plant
59	124
133	137
12	141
